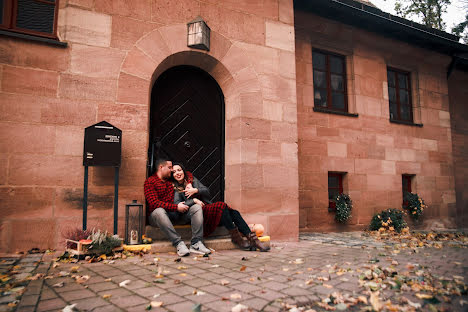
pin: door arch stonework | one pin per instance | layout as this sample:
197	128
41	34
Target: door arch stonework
234	71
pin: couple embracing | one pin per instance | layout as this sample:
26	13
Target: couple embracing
174	195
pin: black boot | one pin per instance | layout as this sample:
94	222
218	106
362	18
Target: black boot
255	243
237	239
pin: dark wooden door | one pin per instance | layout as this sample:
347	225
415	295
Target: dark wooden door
187	125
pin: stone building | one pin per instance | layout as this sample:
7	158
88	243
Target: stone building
294	101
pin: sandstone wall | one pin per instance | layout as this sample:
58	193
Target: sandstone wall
372	151
116	50
458	95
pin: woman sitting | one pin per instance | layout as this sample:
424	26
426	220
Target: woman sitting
190	190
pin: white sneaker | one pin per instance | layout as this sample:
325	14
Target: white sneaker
198	247
182	249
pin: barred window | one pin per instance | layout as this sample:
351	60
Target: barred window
33	17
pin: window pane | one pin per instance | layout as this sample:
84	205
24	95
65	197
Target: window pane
318	61
405	184
336	64
336	82
391	78
332	194
333	181
338	100
402	81
320	98
391	94
35	16
405	112
1	11
320	79
393	111
404	100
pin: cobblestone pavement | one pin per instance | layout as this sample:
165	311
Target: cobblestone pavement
291	273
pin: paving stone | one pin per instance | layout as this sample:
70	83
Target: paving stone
51	304
128	301
256	303
215	289
90	303
102	286
25	309
48	294
117	292
29	300
149	292
181	307
77	294
7	299
108	308
169	298
203	298
197	282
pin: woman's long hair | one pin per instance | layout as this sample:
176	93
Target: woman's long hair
177	186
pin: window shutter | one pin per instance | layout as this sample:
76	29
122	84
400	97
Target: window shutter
36	16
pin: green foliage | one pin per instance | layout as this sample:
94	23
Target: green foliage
414	205
462	29
388	218
428	11
102	242
344	205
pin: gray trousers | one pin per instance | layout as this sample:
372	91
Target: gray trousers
163	219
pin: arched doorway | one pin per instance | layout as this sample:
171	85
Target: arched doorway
187	125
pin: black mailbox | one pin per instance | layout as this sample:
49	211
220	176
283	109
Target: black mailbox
102	145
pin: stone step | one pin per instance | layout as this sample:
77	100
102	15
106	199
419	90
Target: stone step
213	243
185	231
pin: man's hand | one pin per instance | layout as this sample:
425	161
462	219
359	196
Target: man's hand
199	202
189	191
182	207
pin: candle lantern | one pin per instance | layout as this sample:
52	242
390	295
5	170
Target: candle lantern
134	223
198	34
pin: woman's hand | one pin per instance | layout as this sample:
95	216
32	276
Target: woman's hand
190	191
199	202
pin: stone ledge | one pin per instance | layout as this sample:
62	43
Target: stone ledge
213	243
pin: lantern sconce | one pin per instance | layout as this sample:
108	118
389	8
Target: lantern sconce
133	223
198	34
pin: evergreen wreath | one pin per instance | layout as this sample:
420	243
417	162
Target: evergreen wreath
344	204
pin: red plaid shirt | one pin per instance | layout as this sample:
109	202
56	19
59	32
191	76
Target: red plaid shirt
159	194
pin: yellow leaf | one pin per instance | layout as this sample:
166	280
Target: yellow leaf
424	296
375	301
328	286
107	296
156	304
74	269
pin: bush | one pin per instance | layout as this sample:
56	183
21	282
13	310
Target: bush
344	205
102	243
75	234
414	205
391	219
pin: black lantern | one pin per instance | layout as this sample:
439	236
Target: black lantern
133	223
198	34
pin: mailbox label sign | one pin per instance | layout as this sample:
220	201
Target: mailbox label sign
102	145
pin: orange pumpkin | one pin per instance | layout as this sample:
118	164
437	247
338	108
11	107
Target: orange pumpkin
257	228
85	241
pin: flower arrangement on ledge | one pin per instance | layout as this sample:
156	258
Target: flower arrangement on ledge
388	220
414	205
344	204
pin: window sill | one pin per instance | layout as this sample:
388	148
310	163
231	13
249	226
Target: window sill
34	38
408	123
329	111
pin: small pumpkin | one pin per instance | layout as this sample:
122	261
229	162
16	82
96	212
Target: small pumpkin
85	241
258	229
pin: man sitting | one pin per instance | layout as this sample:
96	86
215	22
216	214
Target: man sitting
159	193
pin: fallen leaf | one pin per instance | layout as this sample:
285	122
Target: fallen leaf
362	299
156	304
58	285
424	296
82	279
124	283
63	273
156	295
196	307
181	267
224	282
375	301
106	296
298	261
108	280
236	296
239	308
243	268
327	286
74	269
69	308
215	266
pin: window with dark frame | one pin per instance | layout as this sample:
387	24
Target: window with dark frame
32	17
399	95
406	186
335	187
329	72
